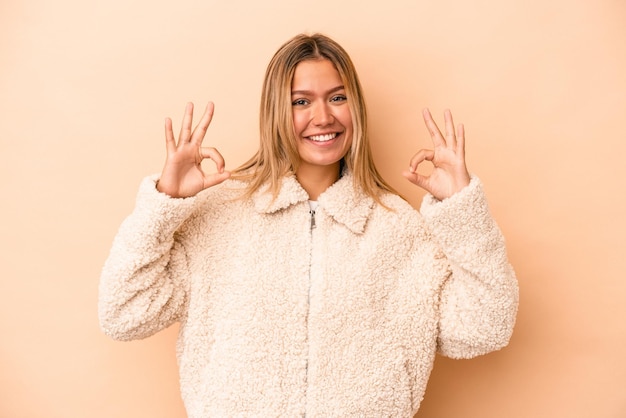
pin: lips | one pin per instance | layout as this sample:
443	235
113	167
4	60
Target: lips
323	137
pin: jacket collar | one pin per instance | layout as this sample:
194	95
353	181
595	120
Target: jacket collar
345	204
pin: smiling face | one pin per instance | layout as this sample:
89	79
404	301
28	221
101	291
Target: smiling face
321	115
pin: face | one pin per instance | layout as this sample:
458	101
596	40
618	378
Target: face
321	115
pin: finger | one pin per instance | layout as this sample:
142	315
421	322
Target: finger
450	135
185	128
460	138
170	142
435	133
420	157
213	154
416	178
216	178
200	130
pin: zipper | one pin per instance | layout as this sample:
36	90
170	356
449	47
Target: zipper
311	228
312	212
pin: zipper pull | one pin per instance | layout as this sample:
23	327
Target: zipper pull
312	212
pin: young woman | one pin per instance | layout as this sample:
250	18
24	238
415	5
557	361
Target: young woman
303	285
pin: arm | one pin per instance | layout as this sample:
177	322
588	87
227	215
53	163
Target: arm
143	285
479	299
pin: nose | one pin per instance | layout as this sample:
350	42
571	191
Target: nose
322	115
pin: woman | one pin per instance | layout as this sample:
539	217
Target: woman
304	286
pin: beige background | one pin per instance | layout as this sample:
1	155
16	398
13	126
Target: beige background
540	85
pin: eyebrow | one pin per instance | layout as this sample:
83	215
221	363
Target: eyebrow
309	93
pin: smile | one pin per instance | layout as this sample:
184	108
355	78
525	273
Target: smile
323	138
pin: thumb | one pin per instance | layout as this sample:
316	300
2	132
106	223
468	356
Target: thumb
215	178
415	178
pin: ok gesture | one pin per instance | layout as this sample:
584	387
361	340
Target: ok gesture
182	174
449	174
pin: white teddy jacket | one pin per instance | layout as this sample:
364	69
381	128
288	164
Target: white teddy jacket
280	317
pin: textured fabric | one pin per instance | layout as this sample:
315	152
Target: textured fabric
279	319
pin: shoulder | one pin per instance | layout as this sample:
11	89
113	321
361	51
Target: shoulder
400	231
396	213
220	194
397	207
222	203
396	202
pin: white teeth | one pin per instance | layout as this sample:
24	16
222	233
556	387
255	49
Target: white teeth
322	138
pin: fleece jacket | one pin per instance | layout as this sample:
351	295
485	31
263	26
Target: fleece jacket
283	314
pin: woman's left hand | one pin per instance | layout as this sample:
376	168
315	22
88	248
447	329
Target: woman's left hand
449	174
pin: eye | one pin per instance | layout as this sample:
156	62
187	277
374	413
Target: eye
299	102
339	98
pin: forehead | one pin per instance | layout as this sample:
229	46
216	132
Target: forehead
315	74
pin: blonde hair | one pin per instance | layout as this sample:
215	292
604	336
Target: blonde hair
278	154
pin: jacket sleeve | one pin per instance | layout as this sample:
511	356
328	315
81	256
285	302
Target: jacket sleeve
479	299
143	282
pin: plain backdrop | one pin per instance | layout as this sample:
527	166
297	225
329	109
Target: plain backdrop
539	84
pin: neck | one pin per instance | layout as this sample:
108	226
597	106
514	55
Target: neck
315	179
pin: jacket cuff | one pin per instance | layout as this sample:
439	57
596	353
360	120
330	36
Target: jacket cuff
463	220
163	212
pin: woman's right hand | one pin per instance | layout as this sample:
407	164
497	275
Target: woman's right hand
182	174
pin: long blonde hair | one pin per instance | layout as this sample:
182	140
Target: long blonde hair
278	154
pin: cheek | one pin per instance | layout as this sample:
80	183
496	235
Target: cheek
345	117
346	121
299	122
